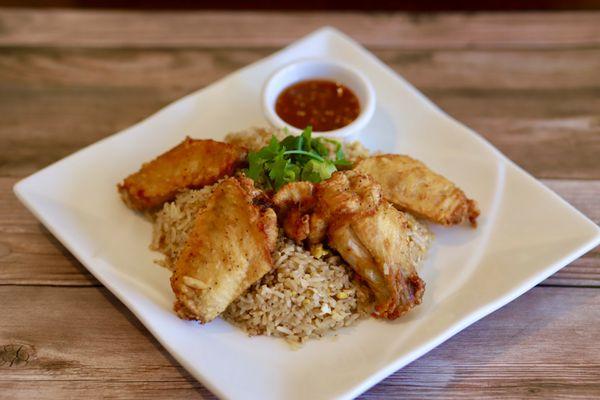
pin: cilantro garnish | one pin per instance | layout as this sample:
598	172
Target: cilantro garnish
295	158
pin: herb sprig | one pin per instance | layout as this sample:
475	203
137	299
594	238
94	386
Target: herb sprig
295	158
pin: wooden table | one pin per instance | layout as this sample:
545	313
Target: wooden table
530	83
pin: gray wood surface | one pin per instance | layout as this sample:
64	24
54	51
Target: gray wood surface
529	83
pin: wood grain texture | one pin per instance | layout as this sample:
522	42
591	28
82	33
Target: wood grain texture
539	107
252	29
529	83
190	68
101	348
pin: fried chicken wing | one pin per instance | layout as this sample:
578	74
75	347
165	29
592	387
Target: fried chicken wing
295	195
294	202
347	193
307	209
410	185
228	249
383	245
344	196
191	164
382	248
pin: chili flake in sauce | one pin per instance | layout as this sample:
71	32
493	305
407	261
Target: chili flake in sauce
323	104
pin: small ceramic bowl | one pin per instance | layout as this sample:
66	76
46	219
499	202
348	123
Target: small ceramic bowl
320	69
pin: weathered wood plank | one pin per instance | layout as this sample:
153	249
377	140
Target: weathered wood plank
42	126
30	255
582	272
512	353
56	101
231	29
553	69
182	389
99	337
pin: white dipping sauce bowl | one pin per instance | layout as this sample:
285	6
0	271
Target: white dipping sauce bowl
308	69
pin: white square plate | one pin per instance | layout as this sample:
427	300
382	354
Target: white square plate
526	233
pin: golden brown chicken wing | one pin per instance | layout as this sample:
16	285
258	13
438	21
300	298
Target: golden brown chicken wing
228	249
382	249
410	185
294	203
191	164
383	245
295	195
307	209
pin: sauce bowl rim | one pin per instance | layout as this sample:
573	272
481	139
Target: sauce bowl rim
272	89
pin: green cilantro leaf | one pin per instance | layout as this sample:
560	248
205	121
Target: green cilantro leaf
315	171
295	158
307	138
281	171
292	142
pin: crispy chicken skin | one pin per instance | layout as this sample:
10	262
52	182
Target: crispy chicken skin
344	196
410	185
294	202
307	209
295	195
228	249
378	248
382	244
191	164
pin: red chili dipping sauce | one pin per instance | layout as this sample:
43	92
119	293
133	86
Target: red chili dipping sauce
326	105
